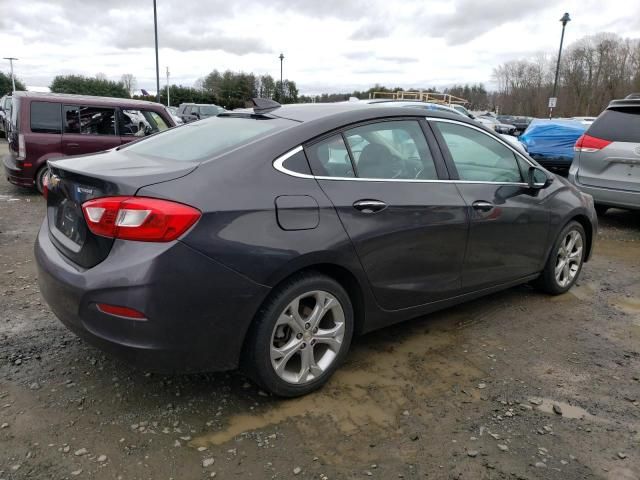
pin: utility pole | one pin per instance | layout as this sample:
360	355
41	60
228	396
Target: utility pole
281	57
168	95
553	100
155	29
13	79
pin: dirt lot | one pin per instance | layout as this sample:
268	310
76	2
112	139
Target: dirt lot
468	393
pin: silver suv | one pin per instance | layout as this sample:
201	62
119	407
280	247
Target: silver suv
607	159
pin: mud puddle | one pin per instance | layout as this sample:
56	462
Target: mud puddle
371	391
568	411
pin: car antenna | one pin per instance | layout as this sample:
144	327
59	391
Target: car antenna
264	105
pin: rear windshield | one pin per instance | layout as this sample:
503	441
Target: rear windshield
15	114
210	110
617	125
202	140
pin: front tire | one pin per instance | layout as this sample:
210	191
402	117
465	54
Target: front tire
300	336
565	260
39	178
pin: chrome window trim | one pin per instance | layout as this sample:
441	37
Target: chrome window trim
278	164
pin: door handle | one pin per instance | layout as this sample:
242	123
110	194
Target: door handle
73	145
482	206
369	206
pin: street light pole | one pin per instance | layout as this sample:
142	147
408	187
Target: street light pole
552	101
281	57
155	29
13	79
168	95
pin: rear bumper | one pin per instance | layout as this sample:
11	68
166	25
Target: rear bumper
608	196
15	174
197	310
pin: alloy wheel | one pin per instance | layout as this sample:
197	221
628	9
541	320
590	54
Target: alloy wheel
307	337
569	258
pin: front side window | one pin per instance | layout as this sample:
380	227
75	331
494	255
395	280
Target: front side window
391	150
45	117
97	121
140	123
477	156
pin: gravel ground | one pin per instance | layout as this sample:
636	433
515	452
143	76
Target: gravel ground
515	385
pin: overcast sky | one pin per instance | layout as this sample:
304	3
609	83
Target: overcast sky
329	45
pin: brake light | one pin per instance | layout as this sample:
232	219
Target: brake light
587	143
120	311
45	186
22	149
139	218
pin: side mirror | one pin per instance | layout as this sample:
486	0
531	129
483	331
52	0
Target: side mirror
537	178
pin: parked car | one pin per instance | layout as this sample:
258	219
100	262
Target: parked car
520	122
190	112
5	110
584	120
269	238
551	142
173	111
50	125
607	157
493	123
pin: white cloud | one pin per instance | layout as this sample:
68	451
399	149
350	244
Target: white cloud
332	45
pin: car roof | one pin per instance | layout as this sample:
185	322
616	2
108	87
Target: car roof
61	97
306	112
624	103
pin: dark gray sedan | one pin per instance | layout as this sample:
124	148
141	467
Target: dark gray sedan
267	239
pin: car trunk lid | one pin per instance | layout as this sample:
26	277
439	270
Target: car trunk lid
73	181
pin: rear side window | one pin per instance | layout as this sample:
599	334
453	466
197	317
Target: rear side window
46	117
203	140
330	158
617	125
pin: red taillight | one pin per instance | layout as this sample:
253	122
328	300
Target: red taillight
120	311
45	186
587	143
139	218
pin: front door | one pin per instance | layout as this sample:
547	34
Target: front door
88	129
408	227
509	223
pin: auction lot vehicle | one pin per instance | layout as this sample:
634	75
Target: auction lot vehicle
521	123
551	142
190	112
5	109
49	125
267	239
607	158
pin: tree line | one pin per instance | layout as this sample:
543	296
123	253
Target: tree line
593	71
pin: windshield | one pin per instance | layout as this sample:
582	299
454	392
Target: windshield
209	110
199	141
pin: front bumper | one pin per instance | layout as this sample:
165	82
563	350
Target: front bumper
198	311
15	174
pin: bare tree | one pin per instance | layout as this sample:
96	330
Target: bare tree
129	82
101	76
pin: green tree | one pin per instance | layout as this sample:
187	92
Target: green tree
81	85
5	84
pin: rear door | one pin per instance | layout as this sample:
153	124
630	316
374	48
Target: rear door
407	222
88	129
614	161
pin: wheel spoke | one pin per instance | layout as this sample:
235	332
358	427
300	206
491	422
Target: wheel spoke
560	266
281	356
576	255
324	303
332	336
308	366
297	323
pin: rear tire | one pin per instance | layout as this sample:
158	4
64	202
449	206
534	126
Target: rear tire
300	336
39	178
565	261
